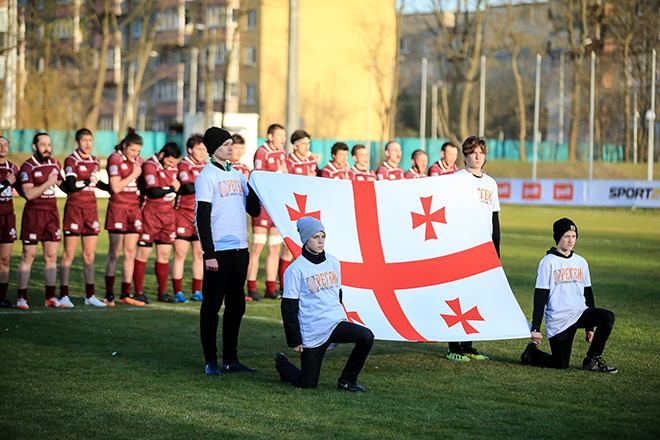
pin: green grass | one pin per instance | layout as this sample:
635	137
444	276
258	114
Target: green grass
58	378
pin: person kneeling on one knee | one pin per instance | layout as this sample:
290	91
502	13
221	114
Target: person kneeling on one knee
314	317
563	290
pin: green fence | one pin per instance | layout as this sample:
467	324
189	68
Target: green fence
105	141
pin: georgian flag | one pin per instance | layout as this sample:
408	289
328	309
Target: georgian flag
417	260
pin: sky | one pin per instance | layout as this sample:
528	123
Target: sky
427	5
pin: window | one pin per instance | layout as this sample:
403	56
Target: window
216	16
217	89
250	56
106	123
233	90
63	28
404	46
110	58
165	91
168	21
250	94
251	19
137	28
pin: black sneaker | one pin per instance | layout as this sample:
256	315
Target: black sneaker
353	387
526	356
280	357
142	297
254	295
237	367
272	295
597	364
211	369
6	304
165	298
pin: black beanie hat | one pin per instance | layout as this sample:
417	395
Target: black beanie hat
561	226
214	137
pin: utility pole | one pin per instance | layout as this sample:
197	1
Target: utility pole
422	107
650	119
482	96
292	115
592	99
560	138
537	99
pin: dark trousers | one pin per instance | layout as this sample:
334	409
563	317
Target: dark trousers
561	344
460	347
311	358
224	284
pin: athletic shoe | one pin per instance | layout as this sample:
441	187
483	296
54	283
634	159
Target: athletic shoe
197	296
353	387
22	304
237	367
597	364
272	295
166	298
52	302
526	356
253	295
6	304
142	297
180	298
65	302
474	354
248	299
458	357
94	301
109	300
280	357
131	301
211	369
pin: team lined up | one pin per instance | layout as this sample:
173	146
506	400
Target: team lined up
151	203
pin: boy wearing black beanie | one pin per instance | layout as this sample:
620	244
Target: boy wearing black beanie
563	290
222	197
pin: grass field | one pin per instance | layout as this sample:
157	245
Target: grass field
58	378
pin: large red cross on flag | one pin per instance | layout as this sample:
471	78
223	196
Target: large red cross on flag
437	278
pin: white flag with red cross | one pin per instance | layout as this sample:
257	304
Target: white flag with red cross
417	260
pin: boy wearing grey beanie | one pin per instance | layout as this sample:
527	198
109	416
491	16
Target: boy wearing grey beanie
314	317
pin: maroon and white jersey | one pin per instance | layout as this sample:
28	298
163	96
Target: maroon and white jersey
120	166
439	168
188	170
388	172
7	194
155	175
267	158
302	167
36	173
361	175
82	168
412	173
241	168
332	171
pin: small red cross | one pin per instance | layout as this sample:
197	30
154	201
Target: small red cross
471	315
301	201
428	218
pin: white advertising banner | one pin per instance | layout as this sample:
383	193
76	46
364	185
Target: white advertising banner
621	193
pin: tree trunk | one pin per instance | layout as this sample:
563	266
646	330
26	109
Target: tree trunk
627	111
470	75
522	116
92	117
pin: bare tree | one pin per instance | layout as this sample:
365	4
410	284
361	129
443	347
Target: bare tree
103	18
460	46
